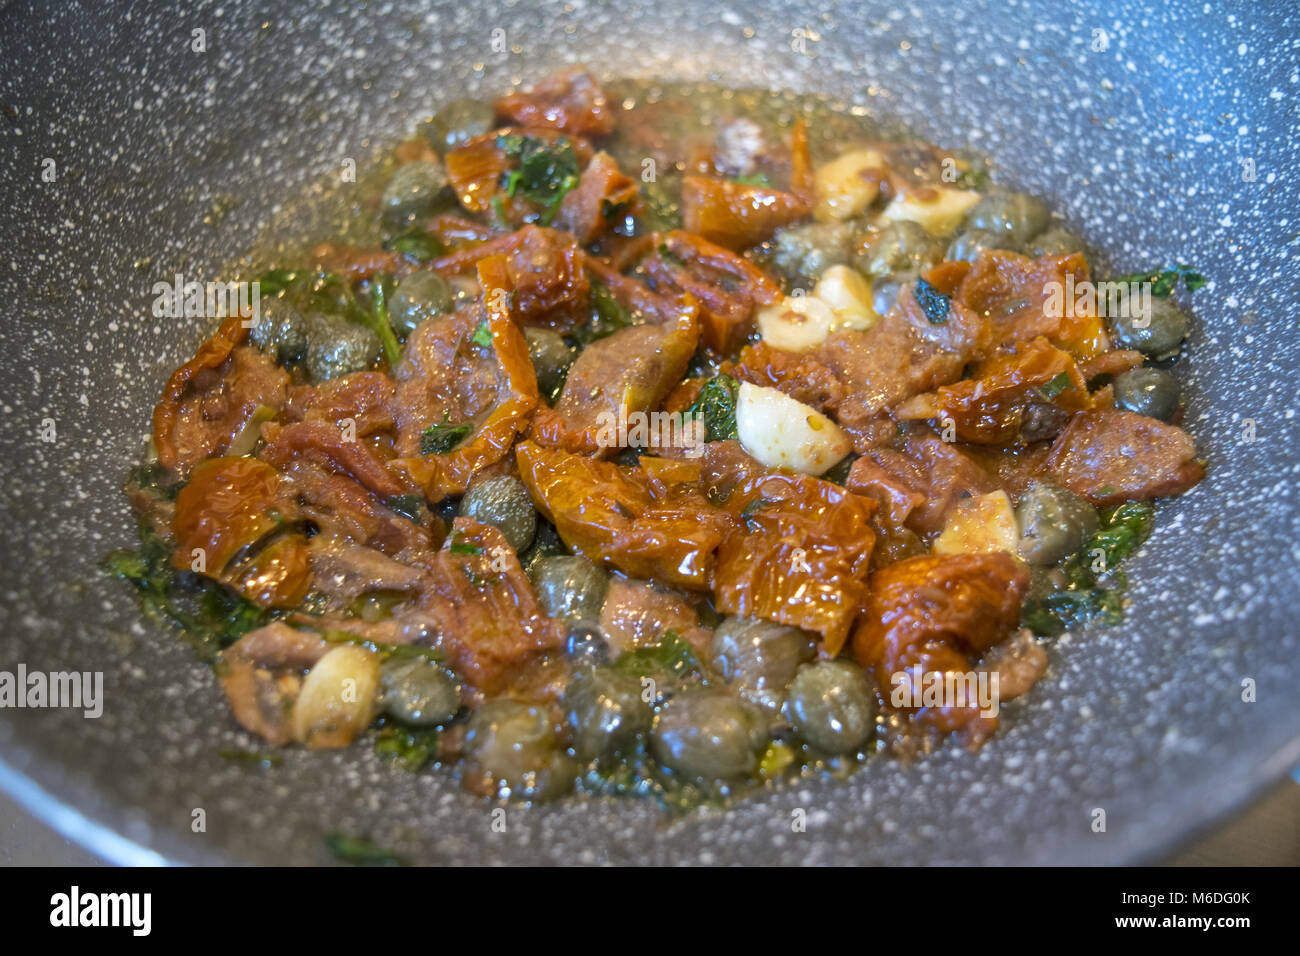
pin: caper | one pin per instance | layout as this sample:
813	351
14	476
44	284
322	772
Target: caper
414	190
758	658
417	691
337	347
515	744
1017	215
281	330
586	644
551	359
884	292
1053	523
419	295
897	247
803	253
570	586
605	712
1147	391
1154	326
458	121
546	544
969	244
1055	242
832	705
707	735
503	502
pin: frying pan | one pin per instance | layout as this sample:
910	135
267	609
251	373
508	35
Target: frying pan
1164	132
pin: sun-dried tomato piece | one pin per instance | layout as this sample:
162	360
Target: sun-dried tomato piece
738	215
1024	298
936	614
545	272
446	474
801	549
233	504
211	355
727	287
626	517
990	406
602	195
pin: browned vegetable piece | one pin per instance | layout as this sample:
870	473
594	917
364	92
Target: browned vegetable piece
616	378
936	613
1110	457
570	100
993	403
449	473
623	518
727	287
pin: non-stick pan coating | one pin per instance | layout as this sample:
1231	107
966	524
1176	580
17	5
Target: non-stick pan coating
170	160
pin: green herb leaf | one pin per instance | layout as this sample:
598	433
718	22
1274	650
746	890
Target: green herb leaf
933	303
206	613
440	438
1095	588
415	243
252	758
1056	386
671	658
409	747
360	852
716	406
1164	281
382	325
408	506
608	316
546	170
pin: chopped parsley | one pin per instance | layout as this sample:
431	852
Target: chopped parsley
209	615
716	406
608	315
1056	386
415	243
482	335
1164	281
408	747
1095	586
671	658
546	170
408	506
442	437
360	852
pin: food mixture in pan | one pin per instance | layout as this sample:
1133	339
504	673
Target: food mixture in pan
663	441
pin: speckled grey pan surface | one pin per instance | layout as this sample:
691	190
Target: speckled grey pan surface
1139	145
